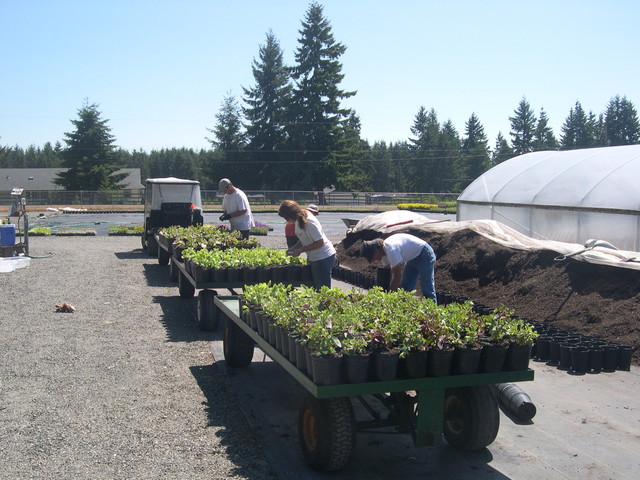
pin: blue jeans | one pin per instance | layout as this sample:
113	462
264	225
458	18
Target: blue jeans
422	266
321	271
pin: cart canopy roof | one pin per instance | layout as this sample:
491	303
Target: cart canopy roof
171	190
173	180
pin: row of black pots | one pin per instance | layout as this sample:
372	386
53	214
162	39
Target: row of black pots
580	354
274	274
357	279
387	366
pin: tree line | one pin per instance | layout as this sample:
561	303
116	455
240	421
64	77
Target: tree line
290	131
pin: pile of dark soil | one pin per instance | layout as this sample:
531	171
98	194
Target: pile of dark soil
595	300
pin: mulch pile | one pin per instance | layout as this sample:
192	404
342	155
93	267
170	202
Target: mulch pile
595	300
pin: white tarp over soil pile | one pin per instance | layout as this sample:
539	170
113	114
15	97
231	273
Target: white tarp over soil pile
593	251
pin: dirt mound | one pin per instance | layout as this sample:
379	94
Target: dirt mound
595	300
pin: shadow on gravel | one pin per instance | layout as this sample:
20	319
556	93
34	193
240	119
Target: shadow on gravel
240	445
158	276
133	254
179	319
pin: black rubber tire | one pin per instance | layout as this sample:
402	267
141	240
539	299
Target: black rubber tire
208	313
471	417
185	287
327	432
174	271
163	256
152	246
237	345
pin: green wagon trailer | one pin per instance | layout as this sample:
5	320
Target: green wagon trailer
461	408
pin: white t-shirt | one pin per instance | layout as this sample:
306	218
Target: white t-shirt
312	233
401	247
232	202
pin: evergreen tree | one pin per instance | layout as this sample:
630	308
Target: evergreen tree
265	113
543	137
401	160
523	125
578	130
621	122
446	172
380	168
89	155
317	121
424	148
229	141
352	171
502	150
475	158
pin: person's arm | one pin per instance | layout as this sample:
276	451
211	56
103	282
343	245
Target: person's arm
298	249
237	213
396	276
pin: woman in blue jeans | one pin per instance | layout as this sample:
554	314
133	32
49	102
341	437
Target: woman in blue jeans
408	257
311	240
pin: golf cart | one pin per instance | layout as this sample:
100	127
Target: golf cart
169	202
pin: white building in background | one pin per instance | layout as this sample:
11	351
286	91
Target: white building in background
568	196
41	179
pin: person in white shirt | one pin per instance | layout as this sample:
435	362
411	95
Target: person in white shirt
408	257
321	253
236	208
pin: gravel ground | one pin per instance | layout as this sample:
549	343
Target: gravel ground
125	387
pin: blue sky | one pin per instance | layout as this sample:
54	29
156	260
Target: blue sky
159	70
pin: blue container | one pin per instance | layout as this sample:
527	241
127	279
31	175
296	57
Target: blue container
7	235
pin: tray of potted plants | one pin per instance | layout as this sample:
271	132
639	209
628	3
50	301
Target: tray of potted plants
425	363
221	262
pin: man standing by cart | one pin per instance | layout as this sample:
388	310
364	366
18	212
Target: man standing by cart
236	208
408	257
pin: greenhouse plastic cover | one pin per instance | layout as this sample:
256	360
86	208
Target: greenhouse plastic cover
569	196
593	251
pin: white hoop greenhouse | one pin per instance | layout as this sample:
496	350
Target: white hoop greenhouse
568	196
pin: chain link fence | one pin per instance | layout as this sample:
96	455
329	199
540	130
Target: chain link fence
212	197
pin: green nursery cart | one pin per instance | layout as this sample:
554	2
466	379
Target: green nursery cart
462	408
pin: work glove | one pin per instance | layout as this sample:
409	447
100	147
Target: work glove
224	216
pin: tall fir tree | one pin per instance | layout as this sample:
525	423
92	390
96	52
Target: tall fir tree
543	137
89	156
265	113
446	173
621	122
475	159
502	150
425	155
317	119
229	141
523	124
579	129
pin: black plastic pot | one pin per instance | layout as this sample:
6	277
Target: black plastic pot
579	359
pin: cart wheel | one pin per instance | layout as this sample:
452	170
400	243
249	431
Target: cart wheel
327	432
174	271
185	287
471	417
152	246
208	313
163	256
237	345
